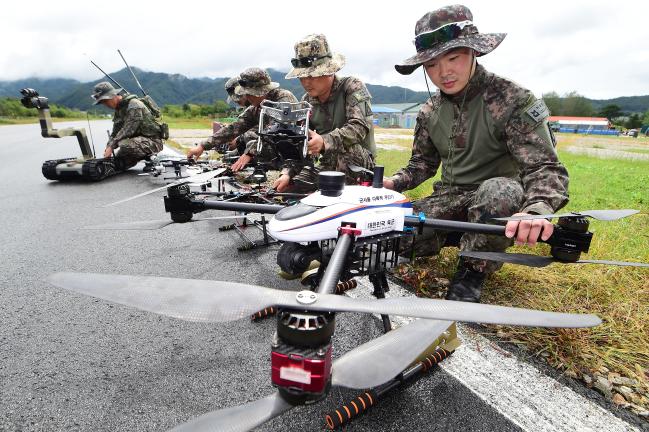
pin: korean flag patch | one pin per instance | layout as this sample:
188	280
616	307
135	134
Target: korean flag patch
538	111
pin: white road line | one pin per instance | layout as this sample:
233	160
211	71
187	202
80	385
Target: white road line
516	389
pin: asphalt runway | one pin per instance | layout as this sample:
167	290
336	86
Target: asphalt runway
70	362
74	363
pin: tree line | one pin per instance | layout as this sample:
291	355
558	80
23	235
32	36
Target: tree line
573	104
12	108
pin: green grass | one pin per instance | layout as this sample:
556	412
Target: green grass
619	295
192	123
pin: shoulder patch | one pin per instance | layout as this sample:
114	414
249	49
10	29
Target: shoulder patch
360	95
537	111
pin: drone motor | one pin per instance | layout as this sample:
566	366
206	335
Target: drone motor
301	355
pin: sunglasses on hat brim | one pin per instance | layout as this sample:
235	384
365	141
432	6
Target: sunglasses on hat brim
442	34
307	61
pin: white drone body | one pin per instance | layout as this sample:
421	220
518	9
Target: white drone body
318	216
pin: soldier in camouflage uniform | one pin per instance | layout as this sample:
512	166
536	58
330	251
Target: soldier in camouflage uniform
255	86
136	133
239	143
492	140
341	132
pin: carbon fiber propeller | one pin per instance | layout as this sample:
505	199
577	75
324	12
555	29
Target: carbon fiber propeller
603	215
157	224
198	178
389	355
540	261
240	418
217	301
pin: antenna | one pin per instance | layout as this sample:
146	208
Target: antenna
109	77
132	73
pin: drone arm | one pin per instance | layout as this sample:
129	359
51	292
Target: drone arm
336	263
573	241
451	225
243	207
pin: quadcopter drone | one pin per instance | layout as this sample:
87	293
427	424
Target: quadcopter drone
351	231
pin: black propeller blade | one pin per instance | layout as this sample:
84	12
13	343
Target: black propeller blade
357	169
539	261
198	178
157	224
216	301
604	215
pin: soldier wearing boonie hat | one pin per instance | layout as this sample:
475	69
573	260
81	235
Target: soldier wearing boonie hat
135	132
255	86
492	140
230	88
341	120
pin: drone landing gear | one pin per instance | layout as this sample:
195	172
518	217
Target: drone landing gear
240	228
380	283
440	350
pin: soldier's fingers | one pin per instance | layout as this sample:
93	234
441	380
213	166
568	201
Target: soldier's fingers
535	231
548	229
510	228
523	232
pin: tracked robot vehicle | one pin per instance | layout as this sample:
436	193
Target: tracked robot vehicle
87	166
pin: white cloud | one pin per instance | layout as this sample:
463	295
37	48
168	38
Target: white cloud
594	47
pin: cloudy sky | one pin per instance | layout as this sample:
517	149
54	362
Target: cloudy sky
598	48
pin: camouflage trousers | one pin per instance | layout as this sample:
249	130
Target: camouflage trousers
307	179
132	150
496	197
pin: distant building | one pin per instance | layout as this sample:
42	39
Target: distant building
583	125
401	115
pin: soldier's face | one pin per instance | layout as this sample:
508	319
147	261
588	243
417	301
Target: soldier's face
255	100
451	71
318	87
112	102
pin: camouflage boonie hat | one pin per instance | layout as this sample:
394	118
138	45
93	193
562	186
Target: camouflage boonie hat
230	88
104	90
313	58
444	29
254	82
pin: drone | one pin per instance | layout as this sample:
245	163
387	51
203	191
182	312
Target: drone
351	231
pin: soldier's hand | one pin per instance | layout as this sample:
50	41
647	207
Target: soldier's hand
528	231
316	143
241	162
282	183
388	183
195	152
108	152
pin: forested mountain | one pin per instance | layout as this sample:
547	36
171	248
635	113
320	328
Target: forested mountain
178	89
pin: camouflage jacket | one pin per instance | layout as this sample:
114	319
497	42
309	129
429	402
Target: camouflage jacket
132	118
494	128
345	119
249	119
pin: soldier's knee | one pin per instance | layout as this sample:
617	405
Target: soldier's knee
500	196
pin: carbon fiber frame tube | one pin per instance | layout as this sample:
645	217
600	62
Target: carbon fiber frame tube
450	225
335	266
245	207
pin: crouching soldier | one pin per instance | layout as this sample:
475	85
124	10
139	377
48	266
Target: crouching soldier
136	132
341	131
254	87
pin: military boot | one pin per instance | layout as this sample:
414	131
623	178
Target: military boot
466	284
